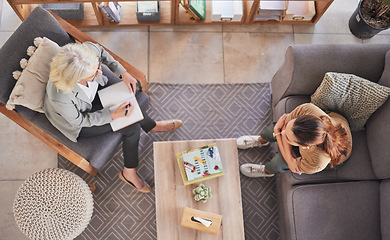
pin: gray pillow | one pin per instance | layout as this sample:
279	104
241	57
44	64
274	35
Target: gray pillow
353	97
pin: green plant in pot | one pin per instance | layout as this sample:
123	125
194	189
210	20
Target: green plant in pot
370	18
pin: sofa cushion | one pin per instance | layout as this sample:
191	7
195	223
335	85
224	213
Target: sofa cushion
353	97
305	66
336	211
31	85
39	23
358	166
385	78
378	131
97	150
385	209
378	138
287	104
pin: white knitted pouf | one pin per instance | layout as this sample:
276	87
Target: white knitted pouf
53	204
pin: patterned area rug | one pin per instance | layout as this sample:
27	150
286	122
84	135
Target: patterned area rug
208	111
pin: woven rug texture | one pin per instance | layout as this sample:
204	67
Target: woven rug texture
208	111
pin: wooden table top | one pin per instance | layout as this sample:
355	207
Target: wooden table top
172	196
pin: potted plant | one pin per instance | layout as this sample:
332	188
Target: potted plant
370	18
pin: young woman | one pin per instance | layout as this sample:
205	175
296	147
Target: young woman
308	139
71	94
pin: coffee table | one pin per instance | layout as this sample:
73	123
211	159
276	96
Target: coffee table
172	196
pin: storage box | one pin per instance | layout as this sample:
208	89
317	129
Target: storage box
300	11
68	11
270	17
273	5
148	11
226	11
271	11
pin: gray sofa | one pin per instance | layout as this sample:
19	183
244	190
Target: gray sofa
353	201
91	153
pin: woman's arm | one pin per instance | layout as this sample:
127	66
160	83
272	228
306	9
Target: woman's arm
71	113
114	65
130	81
284	147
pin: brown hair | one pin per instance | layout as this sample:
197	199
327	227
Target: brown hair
308	128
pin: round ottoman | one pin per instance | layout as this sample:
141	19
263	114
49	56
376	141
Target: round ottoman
53	204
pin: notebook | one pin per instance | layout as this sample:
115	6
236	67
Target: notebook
113	96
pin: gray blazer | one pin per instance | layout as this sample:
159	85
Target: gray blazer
69	112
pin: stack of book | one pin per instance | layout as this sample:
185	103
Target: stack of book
196	8
271	10
200	164
112	10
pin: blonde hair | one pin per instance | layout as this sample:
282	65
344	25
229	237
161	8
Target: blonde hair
72	63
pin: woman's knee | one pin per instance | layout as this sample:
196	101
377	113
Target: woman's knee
132	130
267	133
277	164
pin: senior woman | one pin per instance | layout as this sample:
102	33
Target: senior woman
72	105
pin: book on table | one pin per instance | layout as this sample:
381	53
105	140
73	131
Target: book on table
113	96
200	164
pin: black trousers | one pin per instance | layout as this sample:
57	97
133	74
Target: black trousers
130	134
130	137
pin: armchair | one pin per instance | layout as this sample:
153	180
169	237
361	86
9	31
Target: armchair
90	154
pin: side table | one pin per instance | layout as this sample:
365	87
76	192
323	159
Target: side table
53	204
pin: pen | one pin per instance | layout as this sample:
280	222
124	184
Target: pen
127	109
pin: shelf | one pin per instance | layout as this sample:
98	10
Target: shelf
128	16
185	18
172	13
320	5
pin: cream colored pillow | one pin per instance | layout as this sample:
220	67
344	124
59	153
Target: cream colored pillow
351	96
31	84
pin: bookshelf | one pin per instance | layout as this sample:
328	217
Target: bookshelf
172	13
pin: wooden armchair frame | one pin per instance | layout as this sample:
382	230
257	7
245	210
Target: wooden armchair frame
47	138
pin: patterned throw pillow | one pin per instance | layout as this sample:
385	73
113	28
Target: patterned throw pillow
354	97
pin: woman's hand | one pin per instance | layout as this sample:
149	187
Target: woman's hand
280	123
123	110
293	166
130	81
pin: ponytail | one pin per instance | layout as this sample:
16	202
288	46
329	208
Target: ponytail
335	141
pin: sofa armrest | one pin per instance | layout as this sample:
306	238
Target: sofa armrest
305	66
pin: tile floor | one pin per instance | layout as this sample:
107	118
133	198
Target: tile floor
171	54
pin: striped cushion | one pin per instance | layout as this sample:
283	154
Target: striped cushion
352	96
